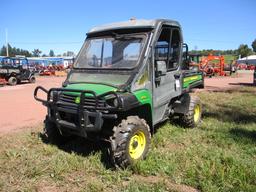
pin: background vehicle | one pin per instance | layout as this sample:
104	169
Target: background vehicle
16	69
211	65
127	78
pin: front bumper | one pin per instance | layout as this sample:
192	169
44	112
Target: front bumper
81	117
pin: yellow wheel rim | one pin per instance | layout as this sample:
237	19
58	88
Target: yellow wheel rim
137	145
197	111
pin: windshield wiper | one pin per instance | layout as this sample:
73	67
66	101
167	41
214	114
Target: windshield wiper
80	82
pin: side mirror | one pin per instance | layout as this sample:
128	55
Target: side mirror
161	68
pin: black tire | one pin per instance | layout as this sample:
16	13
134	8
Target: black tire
12	81
126	132
32	79
52	133
192	118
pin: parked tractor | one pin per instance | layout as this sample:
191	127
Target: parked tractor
128	77
14	70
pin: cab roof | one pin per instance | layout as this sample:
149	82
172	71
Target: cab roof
133	23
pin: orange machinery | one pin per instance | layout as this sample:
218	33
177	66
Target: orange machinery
210	65
51	70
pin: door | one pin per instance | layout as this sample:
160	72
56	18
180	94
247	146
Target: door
24	69
167	51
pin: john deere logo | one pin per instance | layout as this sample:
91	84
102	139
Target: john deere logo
77	100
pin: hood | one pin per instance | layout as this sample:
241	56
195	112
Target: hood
97	88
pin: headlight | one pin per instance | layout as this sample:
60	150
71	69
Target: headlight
112	102
115	102
53	96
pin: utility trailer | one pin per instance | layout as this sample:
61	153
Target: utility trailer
128	77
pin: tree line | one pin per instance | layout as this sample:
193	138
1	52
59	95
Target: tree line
243	51
13	51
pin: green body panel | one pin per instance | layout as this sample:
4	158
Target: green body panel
191	79
144	97
97	88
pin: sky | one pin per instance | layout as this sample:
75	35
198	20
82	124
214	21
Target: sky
62	25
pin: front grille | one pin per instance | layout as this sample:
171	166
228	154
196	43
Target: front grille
67	98
89	102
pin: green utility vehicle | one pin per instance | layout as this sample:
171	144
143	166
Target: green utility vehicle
127	78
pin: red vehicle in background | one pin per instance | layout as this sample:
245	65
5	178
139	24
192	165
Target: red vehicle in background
211	65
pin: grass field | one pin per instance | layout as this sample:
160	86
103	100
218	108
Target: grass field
229	58
220	155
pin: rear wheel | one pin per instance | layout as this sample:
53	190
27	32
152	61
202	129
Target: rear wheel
32	79
12	81
130	141
192	117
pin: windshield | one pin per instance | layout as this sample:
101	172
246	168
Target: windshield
23	62
112	52
6	61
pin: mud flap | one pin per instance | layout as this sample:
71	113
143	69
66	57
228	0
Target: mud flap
181	106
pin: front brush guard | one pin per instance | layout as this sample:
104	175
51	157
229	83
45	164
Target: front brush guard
84	113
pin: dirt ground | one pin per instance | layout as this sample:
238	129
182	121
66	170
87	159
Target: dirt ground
19	110
242	78
18	106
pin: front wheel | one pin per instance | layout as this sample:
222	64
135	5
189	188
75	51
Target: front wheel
130	141
52	133
12	81
192	117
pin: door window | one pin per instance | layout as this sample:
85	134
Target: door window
162	46
168	48
174	50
